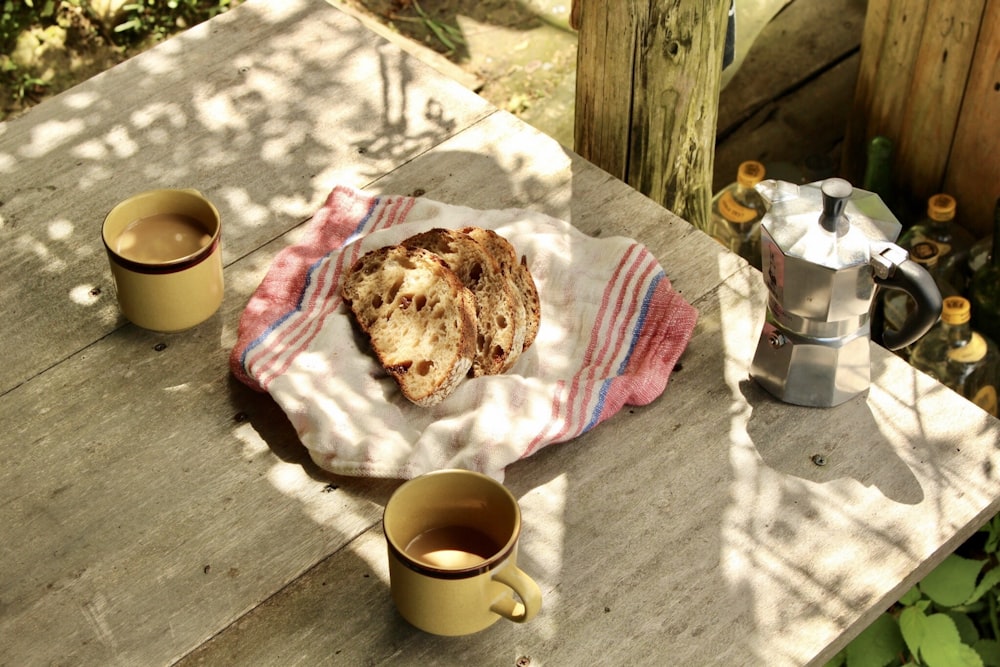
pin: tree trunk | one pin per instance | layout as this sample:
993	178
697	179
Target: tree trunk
647	95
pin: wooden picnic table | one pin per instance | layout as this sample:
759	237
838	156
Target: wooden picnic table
156	511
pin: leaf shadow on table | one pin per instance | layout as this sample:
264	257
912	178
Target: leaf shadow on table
829	454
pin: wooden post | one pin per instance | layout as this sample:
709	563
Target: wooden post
928	81
647	95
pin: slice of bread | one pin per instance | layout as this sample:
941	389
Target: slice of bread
498	335
533	304
528	311
419	318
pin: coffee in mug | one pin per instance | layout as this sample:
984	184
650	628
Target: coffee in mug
162	237
164	247
452	540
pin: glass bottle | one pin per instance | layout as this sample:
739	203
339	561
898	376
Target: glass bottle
959	357
947	240
939	244
737	210
984	288
878	169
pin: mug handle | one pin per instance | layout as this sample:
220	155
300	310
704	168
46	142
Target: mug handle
525	588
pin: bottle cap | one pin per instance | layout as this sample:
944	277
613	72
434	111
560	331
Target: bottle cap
941	208
955	310
750	173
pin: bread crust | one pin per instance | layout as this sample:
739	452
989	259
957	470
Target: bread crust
520	278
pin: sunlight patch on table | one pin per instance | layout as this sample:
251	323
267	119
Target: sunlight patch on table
540	550
85	295
333	510
47	137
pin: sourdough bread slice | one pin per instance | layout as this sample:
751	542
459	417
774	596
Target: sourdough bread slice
514	273
533	304
497	335
419	318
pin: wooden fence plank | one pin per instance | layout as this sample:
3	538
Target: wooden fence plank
930	113
973	167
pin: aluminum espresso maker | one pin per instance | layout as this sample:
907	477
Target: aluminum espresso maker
826	248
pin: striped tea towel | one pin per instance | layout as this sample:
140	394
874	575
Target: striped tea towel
612	329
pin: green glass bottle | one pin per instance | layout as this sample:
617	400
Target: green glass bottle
737	210
960	357
878	169
984	288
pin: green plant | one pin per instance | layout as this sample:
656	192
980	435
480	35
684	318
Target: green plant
448	35
161	18
16	15
949	619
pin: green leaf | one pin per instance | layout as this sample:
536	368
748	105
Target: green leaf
951	655
989	651
913	626
838	660
877	645
967	631
989	580
953	581
942	646
910	597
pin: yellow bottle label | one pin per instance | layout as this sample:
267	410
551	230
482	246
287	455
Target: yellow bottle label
971	352
733	211
986	398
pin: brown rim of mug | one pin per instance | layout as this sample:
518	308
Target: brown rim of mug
443	573
173	266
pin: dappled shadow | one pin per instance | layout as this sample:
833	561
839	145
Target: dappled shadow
684	526
184	116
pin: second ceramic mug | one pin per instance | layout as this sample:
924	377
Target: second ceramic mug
452	541
166	259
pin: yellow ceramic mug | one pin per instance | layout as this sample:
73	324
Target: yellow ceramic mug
452	539
166	258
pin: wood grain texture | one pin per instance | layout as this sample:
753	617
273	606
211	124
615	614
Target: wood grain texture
973	172
262	123
156	511
648	75
934	100
889	46
926	69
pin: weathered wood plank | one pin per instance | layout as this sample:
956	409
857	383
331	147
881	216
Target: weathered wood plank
647	91
214	504
888	51
915	67
973	171
696	527
150	503
799	43
930	116
230	121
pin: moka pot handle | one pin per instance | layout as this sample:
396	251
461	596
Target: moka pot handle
895	270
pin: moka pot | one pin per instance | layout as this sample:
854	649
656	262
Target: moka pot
825	250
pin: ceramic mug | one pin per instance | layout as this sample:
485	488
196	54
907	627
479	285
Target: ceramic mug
166	258
452	541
